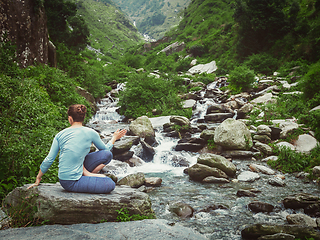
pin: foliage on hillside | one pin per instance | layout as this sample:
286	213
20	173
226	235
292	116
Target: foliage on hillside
153	17
110	31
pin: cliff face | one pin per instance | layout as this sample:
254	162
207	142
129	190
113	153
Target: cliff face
25	25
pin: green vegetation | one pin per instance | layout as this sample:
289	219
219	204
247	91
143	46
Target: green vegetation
153	17
124	216
143	93
290	161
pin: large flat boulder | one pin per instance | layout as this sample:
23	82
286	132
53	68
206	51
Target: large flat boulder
51	202
148	229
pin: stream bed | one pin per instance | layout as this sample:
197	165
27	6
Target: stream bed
222	223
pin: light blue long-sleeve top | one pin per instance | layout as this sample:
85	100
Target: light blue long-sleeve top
74	144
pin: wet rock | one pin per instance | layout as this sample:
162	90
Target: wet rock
207	134
301	219
245	193
142	127
212	179
123	156
257	206
266	149
183	210
179	161
217	161
198	172
153	182
258	230
193	147
134	180
58	206
217	108
301	200
262	169
313	210
217	117
305	143
135	162
278	236
238	154
233	134
147	148
180	120
213	207
115	166
276	181
248	176
124	144
190	144
232	104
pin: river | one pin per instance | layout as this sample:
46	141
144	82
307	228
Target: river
222	223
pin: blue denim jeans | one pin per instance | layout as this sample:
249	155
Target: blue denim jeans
88	184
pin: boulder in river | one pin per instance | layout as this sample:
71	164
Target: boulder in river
198	172
180	120
181	209
258	206
142	127
233	134
217	161
301	219
134	180
51	202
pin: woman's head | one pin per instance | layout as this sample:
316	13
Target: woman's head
77	112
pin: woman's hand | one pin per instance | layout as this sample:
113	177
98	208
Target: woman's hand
117	135
38	180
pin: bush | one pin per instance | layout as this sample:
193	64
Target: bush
144	93
262	63
197	50
241	78
310	81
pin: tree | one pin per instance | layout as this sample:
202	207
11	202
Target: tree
261	23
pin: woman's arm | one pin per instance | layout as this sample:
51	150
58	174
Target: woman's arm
38	180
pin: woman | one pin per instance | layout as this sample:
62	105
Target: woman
78	169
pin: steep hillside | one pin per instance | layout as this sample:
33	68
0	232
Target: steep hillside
153	17
110	30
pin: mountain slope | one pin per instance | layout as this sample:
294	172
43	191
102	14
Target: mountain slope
153	17
110	30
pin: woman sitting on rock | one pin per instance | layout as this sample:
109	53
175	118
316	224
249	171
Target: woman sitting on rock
78	169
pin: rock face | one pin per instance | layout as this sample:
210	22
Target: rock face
145	229
258	230
233	134
58	206
142	127
204	68
26	26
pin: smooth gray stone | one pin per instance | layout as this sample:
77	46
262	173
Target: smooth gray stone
148	229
